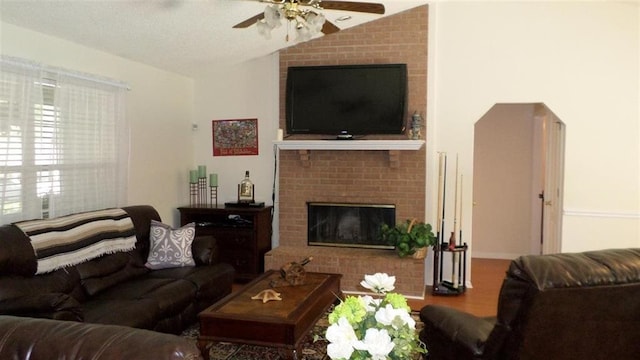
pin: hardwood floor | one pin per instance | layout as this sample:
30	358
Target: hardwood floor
482	299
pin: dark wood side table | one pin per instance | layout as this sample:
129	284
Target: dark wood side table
243	234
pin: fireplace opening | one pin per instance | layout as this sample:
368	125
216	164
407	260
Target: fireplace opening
348	225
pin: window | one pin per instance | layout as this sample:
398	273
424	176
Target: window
63	142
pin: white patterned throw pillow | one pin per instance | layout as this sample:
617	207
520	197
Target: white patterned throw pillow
170	247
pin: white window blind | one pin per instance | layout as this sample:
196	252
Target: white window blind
63	142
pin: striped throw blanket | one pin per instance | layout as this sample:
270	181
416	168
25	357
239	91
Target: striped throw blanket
73	239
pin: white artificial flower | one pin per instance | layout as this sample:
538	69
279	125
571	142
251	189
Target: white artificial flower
341	337
394	317
382	323
339	350
407	320
370	303
377	343
386	315
379	282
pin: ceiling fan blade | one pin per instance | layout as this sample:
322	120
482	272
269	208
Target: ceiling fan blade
366	7
250	21
329	28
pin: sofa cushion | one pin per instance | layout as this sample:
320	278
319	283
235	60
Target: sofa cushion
138	313
16	255
212	282
47	305
102	273
205	250
65	281
170	247
169	295
141	215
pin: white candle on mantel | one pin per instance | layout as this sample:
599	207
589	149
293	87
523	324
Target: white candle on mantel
280	135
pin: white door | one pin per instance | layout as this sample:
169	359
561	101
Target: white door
553	184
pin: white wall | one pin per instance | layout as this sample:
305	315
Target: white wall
582	60
242	91
159	108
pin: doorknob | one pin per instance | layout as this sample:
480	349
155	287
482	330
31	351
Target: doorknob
548	203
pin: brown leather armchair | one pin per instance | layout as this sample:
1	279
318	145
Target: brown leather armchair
561	306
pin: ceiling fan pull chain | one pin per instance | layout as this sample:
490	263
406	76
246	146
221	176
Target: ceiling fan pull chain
288	27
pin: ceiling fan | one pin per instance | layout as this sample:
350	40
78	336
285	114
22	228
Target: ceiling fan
305	15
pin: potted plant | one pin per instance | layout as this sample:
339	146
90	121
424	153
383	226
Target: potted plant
409	238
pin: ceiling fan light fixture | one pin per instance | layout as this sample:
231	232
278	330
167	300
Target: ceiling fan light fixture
315	22
273	15
307	24
305	16
272	19
303	33
263	29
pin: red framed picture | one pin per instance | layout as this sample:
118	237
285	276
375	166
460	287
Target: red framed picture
235	137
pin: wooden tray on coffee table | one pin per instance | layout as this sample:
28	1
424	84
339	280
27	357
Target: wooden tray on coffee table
237	318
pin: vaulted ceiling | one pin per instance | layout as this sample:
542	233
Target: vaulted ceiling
182	36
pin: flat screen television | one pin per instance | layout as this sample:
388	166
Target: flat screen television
346	99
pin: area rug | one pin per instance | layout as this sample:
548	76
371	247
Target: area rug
314	345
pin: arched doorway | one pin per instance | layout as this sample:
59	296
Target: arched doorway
517	181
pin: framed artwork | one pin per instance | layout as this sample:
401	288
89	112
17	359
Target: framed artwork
235	137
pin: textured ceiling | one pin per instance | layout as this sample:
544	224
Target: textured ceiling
182	36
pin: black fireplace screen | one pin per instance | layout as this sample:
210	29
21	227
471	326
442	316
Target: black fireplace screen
348	225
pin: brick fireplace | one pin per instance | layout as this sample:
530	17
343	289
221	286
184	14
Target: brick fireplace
357	176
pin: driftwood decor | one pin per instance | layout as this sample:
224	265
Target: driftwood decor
294	273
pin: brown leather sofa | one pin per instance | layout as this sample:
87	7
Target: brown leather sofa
44	339
115	289
561	306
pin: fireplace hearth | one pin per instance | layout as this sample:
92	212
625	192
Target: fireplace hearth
348	225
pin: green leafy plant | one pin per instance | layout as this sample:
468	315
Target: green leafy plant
408	236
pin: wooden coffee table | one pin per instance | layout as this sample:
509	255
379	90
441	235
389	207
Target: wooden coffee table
238	318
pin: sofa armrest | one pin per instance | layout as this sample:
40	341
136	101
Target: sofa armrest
205	250
48	305
36	339
453	334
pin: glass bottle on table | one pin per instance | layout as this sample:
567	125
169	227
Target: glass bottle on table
245	189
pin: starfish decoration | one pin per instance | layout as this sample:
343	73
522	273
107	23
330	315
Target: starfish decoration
267	295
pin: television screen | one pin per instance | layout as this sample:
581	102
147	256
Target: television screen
346	99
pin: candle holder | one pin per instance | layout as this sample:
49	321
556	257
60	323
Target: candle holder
193	193
214	195
202	191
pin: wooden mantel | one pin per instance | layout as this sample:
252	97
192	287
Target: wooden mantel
392	146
